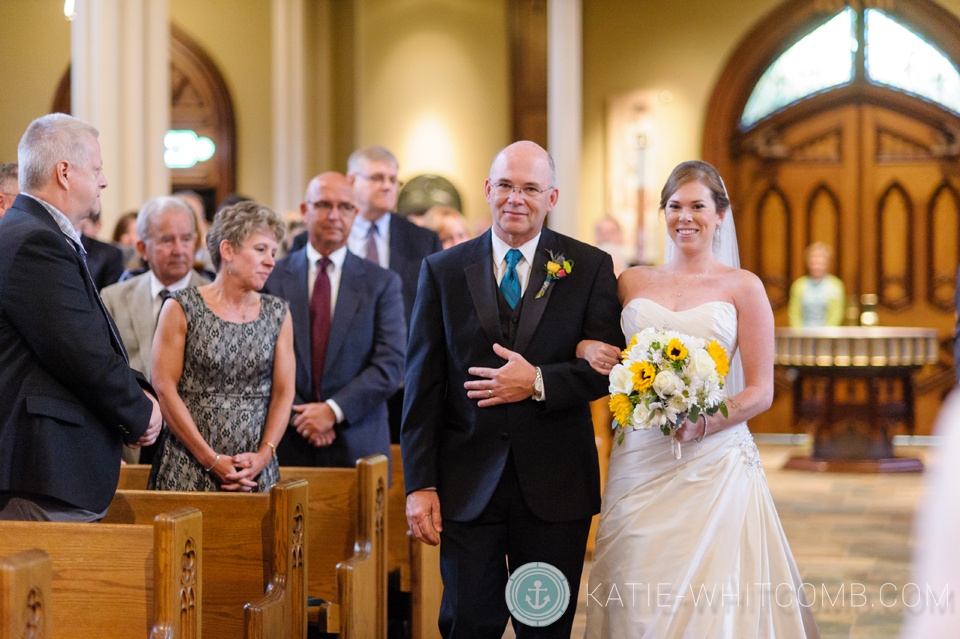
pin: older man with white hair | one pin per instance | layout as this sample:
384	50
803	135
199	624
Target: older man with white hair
68	397
167	231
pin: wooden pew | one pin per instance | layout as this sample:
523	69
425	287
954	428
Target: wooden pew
414	566
25	595
347	541
134	477
107	580
253	554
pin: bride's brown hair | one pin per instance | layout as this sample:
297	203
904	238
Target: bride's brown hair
695	171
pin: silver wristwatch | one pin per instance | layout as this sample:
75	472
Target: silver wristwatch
538	386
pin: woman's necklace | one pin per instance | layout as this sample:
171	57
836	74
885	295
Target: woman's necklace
684	289
246	309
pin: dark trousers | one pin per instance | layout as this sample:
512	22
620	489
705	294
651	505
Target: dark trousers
475	556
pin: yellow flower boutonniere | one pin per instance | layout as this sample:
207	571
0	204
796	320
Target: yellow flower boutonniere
557	268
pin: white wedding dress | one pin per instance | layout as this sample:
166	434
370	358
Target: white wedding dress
692	548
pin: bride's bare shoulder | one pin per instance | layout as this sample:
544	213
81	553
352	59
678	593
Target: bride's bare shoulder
747	288
635	279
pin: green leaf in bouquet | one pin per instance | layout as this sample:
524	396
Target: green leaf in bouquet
694	414
723	409
620	438
615	425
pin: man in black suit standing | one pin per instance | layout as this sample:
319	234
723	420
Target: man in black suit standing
348	334
498	448
68	398
388	239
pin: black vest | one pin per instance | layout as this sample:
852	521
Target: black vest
509	318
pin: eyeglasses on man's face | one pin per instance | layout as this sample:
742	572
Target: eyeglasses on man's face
505	189
325	207
380	179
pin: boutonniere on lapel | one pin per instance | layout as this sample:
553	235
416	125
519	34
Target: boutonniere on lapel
558	267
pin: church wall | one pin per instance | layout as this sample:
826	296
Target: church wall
236	35
663	46
34	54
432	85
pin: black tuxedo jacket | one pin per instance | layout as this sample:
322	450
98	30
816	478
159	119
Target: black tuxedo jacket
364	361
104	261
451	444
68	398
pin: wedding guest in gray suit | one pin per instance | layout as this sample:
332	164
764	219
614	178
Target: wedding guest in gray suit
167	236
349	336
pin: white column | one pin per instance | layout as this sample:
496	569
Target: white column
120	83
565	107
289	129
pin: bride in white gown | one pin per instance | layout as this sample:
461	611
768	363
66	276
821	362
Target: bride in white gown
693	548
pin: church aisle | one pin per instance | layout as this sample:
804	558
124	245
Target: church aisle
850	535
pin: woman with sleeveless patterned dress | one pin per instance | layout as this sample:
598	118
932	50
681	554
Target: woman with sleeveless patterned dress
223	364
693	548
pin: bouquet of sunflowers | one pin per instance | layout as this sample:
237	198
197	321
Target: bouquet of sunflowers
665	377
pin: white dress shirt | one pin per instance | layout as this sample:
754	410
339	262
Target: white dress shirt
62	220
528	250
334	273
156	286
500	249
357	242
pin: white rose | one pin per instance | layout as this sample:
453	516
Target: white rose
666	383
621	380
700	365
646	337
641	416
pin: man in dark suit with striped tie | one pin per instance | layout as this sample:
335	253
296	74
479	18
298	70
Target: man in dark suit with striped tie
68	397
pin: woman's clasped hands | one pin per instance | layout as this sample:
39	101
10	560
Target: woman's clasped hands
239	473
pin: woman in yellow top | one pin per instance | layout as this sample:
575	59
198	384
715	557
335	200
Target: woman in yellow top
817	299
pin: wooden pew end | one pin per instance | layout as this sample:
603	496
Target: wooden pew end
25	585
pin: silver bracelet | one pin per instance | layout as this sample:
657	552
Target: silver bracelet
213	464
704	434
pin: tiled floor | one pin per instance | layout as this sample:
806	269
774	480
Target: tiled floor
846	531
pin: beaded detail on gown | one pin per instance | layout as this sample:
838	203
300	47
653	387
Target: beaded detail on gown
692	548
226	384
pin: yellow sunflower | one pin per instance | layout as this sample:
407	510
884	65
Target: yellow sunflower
719	355
633	342
621	407
643	374
676	350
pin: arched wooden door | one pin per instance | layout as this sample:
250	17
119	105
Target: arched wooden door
869	167
199	102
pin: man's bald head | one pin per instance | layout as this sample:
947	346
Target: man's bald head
328	211
330	179
529	149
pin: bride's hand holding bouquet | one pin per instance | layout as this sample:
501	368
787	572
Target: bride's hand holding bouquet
665	378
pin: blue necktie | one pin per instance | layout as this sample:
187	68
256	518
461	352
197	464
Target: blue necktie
510	284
